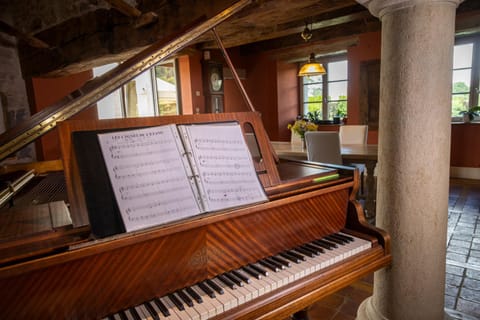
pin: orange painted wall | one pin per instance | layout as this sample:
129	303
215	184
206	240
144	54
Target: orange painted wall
465	145
368	48
48	91
287	98
190	70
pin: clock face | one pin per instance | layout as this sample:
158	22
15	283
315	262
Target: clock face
215	81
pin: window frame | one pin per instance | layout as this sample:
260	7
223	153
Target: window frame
474	75
122	91
325	82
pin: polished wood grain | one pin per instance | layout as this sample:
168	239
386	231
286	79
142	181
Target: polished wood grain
106	276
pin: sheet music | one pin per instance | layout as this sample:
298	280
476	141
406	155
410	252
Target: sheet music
224	165
151	184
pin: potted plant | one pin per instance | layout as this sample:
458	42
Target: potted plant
470	114
340	115
314	116
299	127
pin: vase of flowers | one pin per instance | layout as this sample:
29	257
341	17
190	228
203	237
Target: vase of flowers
299	127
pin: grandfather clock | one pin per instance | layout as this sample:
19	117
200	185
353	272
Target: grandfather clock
213	86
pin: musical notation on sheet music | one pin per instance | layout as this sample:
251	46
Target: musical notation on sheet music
224	165
148	176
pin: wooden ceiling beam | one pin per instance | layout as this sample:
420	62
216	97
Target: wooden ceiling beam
141	19
30	40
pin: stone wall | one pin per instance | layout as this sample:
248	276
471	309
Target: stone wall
13	95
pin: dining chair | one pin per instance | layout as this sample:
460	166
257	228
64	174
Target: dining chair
323	146
353	134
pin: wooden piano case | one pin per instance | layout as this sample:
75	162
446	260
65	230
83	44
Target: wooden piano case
103	276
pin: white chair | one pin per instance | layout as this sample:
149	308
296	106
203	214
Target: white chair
323	146
353	134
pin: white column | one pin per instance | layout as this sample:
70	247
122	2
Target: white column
414	156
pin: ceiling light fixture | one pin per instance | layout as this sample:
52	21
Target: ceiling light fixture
311	68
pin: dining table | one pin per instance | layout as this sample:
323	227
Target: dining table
366	154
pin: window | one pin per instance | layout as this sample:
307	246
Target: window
153	92
327	94
466	73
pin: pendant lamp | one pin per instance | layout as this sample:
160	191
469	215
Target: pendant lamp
311	68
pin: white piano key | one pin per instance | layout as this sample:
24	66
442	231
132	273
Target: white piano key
143	313
171	308
253	287
208	303
211	307
228	301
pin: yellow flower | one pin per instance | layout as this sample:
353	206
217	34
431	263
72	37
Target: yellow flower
302	126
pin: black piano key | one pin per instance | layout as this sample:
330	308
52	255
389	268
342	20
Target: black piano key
151	310
275	263
259	269
325	244
227	281
268	265
134	314
176	301
252	272
241	276
122	315
207	290
282	261
305	252
346	237
163	309
194	295
185	298
234	279
336	240
111	317
340	238
318	250
290	257
214	286
297	255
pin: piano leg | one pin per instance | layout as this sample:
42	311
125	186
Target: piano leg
300	315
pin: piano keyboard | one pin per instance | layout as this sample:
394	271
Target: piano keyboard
214	296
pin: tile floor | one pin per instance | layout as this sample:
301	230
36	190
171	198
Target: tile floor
462	292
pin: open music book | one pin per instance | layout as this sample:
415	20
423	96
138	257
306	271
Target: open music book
165	173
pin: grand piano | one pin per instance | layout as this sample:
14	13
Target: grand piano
262	261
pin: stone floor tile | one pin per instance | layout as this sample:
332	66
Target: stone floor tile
452	291
450	302
453	280
459	271
475	253
475	246
471	283
468	307
459	243
472	273
470	295
474	260
456	257
458	250
462	236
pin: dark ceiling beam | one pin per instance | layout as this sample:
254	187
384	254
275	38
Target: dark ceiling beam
141	19
28	39
325	34
105	36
